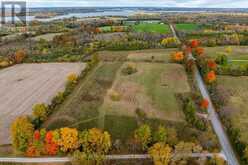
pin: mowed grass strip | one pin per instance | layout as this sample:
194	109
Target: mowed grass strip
152	28
236	93
81	108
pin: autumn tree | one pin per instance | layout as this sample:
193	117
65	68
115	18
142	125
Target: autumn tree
95	141
210	77
21	133
19	56
68	139
204	104
161	153
72	78
178	57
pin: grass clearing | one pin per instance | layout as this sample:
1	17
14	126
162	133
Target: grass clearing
187	27
152	28
236	108
152	89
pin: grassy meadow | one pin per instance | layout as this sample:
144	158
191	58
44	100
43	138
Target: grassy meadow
152	28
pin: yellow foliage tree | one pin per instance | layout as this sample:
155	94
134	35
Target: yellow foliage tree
95	141
170	41
21	133
68	139
72	78
161	153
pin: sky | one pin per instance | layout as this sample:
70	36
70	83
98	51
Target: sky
145	3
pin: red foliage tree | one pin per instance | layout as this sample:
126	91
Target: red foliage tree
204	104
194	43
212	64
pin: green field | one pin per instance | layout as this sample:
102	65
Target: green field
235	91
187	27
152	28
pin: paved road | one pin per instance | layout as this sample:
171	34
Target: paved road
213	116
108	157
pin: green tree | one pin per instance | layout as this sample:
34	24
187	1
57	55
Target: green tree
143	135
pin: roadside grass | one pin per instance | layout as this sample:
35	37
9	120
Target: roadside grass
237	53
187	27
236	109
152	28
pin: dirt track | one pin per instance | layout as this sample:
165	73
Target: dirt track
24	85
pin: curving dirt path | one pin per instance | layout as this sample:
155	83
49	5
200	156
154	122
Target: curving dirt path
23	85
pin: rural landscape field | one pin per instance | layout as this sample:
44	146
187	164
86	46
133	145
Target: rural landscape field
101	84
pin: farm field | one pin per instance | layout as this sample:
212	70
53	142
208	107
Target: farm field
23	85
152	28
47	37
236	107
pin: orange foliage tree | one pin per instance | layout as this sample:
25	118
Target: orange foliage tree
19	56
178	56
210	77
199	51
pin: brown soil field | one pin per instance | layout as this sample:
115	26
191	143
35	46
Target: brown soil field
24	85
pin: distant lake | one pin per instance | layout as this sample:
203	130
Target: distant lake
92	14
125	11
